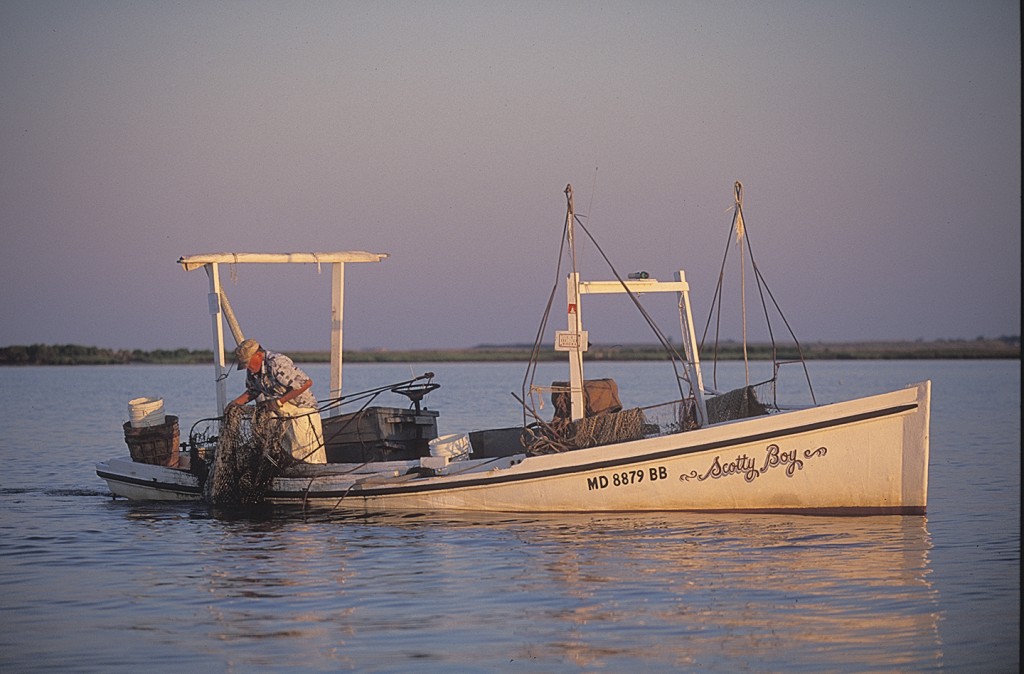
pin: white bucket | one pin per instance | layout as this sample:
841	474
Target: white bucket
455	446
143	412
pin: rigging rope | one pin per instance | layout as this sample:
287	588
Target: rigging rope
567	239
743	238
673	354
528	387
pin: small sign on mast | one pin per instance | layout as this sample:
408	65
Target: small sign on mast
570	341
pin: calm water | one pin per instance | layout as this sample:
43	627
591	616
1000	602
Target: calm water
92	584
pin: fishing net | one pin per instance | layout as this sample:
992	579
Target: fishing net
562	435
250	453
673	417
736	404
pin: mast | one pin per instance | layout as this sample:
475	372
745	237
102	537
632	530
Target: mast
737	223
216	313
574	340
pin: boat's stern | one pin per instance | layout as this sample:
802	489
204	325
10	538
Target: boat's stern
146	482
916	430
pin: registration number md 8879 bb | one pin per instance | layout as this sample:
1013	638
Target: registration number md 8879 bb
627	478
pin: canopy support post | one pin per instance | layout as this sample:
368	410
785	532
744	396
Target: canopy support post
690	347
216	314
577	347
337	314
229	314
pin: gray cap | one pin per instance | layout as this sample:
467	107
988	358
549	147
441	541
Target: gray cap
245	352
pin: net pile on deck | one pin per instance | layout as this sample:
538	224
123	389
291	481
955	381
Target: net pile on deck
561	435
739	403
604	422
249	455
635	423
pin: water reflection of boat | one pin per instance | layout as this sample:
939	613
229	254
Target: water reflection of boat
675	591
780	594
711	592
737	451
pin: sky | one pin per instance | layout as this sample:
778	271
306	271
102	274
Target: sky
878	144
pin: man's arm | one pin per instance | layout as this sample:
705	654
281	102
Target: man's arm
291	394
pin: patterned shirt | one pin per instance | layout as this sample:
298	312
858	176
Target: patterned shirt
278	376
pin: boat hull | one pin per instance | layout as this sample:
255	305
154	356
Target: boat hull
864	456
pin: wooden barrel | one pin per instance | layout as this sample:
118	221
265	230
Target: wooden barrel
156	445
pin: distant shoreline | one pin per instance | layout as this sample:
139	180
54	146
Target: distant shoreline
72	354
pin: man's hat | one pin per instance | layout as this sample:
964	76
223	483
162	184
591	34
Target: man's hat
245	351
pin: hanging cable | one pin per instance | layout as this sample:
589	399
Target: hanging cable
673	354
531	369
742	233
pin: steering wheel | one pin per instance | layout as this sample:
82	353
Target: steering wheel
415	392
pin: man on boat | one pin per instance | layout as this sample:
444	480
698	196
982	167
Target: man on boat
274	380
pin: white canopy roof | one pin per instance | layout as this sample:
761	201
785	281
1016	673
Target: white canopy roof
190	262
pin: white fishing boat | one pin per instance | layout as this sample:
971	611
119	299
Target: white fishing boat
738	451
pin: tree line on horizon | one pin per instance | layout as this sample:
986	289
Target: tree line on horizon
75	354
